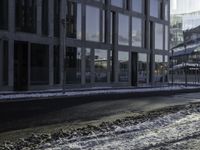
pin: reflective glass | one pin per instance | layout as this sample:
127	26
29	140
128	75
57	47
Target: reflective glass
123	60
136	32
123	29
73	65
159	32
137	5
118	3
154	8
92	23
101	65
142	68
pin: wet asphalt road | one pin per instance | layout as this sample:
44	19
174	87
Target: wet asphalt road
90	111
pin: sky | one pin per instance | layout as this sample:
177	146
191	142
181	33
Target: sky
184	6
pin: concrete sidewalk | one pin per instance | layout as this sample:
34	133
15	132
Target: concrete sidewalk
97	92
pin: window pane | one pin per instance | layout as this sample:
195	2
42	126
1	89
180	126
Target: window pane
92	23
39	64
123	59
123	35
88	63
136	32
26	14
73	20
137	5
56	18
154	8
73	65
159	68
159	36
101	65
3	14
166	38
45	17
118	3
166	10
142	68
56	65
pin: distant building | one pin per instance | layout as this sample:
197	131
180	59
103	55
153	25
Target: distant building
185	58
83	43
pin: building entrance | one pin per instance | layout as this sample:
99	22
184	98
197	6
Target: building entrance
21	66
134	63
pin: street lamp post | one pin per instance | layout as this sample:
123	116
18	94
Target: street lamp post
63	22
172	60
185	67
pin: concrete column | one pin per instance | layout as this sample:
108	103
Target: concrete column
11	63
62	36
51	18
39	17
51	68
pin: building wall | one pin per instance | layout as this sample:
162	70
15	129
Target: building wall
46	37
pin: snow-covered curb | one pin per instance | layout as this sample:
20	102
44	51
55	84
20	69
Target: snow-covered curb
51	93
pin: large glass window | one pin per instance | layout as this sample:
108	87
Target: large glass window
166	38
159	36
123	30
25	12
45	17
3	14
88	65
158	68
73	20
154	7
73	65
142	68
118	3
136	32
92	23
4	64
39	64
56	63
166	11
57	18
123	60
101	65
137	5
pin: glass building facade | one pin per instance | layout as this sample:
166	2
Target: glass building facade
82	43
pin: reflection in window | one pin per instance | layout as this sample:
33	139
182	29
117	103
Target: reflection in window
166	11
166	38
158	68
159	32
166	66
154	6
39	64
3	14
73	19
137	5
136	32
25	13
118	3
142	68
123	35
101	65
123	59
92	23
73	65
88	63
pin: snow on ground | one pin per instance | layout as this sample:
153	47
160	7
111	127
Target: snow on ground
170	128
173	131
93	91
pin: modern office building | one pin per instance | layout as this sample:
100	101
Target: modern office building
45	44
